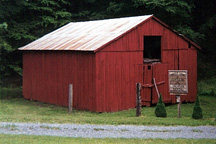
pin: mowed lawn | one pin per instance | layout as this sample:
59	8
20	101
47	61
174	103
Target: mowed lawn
13	108
22	139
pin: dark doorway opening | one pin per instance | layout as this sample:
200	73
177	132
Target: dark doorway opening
152	49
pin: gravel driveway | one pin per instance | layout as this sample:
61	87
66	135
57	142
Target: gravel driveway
109	131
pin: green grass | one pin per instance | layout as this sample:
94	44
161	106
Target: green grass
207	87
23	139
7	93
13	108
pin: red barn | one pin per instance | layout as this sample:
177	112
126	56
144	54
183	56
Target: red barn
104	59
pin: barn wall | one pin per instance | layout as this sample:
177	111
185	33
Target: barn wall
188	61
120	65
105	81
177	55
116	80
47	74
129	42
133	40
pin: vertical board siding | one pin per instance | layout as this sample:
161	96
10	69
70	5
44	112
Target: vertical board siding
27	76
168	57
184	65
115	80
169	40
105	81
160	73
147	80
193	75
130	42
188	60
133	41
46	77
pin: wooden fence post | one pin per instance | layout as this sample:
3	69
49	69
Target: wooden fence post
138	99
178	100
70	99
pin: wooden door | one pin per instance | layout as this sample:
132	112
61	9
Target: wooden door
159	71
146	93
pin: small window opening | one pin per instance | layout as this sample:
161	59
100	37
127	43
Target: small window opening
189	45
149	67
152	49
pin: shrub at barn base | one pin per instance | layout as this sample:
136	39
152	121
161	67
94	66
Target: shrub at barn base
197	111
160	110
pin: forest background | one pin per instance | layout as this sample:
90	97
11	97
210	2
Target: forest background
23	21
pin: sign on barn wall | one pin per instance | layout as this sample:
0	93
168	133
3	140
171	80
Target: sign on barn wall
178	82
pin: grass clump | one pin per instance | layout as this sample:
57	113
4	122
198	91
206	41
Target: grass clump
48	127
98	129
162	131
198	131
10	127
160	110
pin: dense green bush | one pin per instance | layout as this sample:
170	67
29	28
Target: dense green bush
197	111
160	110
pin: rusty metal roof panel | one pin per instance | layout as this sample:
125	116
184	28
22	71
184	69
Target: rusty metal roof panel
85	36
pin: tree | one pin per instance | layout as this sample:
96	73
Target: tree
7	67
197	111
160	110
26	20
173	12
204	16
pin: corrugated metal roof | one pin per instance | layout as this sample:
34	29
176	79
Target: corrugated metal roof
85	36
90	35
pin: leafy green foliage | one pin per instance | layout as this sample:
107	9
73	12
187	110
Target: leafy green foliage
197	111
177	10
3	26
160	110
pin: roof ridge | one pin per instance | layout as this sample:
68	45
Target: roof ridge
116	18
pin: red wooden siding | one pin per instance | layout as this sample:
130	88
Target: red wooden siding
115	80
48	74
160	73
147	75
129	42
105	80
172	58
188	61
